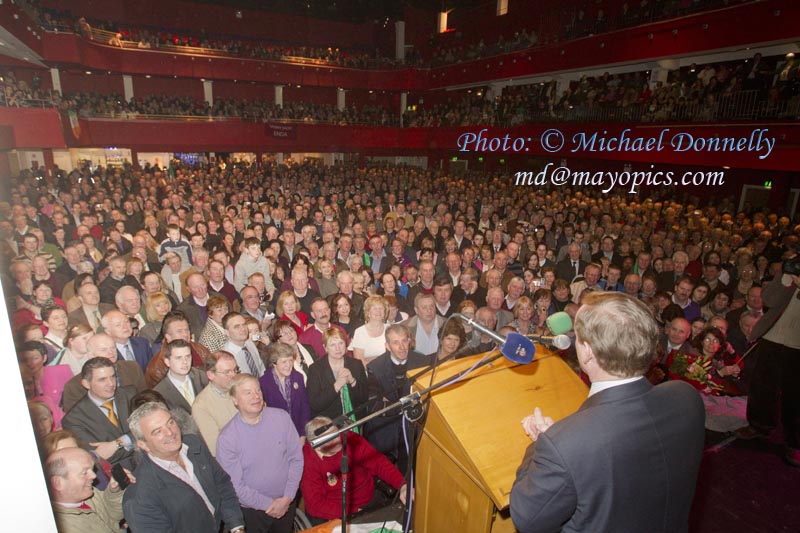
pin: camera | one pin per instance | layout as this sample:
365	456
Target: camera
255	337
792	266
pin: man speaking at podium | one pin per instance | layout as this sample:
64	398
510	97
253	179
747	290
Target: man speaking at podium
627	460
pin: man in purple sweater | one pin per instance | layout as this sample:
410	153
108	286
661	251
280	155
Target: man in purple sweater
261	452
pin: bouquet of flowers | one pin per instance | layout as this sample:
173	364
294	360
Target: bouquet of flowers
694	369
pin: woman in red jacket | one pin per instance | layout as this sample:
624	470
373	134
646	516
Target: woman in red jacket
321	482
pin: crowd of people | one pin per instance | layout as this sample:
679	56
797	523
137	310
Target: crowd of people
19	93
113	105
572	21
743	90
155	314
126	36
756	88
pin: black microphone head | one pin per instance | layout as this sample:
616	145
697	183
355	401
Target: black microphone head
322	430
518	349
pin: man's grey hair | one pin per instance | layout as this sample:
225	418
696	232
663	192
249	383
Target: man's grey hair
135	420
120	294
84	267
747	314
397	329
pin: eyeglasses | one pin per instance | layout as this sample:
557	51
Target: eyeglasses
228	372
711	340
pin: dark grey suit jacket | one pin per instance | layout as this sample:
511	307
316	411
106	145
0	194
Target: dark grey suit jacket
129	375
174	397
384	432
159	502
565	271
90	424
626	461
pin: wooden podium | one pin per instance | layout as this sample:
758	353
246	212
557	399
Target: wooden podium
473	440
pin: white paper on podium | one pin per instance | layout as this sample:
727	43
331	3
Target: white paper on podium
389	527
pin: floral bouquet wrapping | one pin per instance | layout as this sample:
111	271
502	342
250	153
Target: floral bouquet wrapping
694	369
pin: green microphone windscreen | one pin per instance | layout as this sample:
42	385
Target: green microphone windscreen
559	323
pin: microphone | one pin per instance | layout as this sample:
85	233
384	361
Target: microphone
337	423
559	342
559	323
514	347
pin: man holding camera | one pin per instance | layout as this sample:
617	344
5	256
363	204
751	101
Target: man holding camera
777	364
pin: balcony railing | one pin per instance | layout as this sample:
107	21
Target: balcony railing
124	116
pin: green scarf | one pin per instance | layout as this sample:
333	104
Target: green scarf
347	405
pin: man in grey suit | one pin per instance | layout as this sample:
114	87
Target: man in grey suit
100	419
182	383
91	310
179	485
628	459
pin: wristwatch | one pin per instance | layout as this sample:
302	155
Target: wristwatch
120	444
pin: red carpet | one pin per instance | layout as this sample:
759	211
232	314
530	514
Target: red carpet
745	486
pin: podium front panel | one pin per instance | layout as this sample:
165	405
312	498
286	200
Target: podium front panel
473	440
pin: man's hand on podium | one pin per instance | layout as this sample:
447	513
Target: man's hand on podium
536	424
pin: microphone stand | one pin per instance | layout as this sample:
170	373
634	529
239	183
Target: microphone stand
405	404
343	470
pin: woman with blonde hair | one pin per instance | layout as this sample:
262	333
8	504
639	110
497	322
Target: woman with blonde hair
41	418
156	307
288	308
369	340
326	280
153	230
524	317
